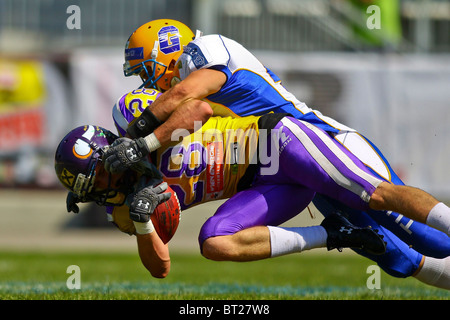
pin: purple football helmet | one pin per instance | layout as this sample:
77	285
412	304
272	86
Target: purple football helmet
77	160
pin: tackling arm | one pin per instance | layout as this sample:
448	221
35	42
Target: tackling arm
184	117
182	105
197	85
191	90
178	108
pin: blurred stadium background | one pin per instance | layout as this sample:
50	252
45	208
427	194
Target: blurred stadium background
392	84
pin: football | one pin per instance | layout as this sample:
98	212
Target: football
166	217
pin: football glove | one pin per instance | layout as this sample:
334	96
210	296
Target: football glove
144	202
71	202
123	153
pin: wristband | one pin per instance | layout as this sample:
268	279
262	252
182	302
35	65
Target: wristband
152	142
144	124
144	227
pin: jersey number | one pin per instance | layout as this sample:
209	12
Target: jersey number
176	161
192	161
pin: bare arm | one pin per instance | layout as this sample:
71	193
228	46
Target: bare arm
198	85
178	108
182	105
184	117
154	254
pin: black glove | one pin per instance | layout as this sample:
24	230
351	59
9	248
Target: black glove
71	202
144	202
123	153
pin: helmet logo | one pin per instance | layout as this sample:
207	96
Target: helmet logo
134	53
81	149
169	40
67	177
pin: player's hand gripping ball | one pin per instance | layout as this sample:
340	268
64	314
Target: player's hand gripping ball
166	217
160	204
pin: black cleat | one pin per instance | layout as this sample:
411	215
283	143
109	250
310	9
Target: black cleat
343	234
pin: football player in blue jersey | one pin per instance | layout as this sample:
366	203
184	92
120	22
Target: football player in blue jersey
214	75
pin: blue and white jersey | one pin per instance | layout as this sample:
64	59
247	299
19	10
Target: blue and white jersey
251	88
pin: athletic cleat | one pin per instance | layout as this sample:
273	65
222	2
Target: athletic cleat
343	234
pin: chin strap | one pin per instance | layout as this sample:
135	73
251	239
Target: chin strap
154	54
198	34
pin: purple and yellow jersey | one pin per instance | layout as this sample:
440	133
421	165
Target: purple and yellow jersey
205	165
209	164
130	106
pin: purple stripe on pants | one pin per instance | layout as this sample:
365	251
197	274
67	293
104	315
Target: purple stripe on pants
276	198
317	161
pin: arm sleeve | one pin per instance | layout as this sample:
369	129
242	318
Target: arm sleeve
202	53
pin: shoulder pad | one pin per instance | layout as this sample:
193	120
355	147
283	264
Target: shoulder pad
203	52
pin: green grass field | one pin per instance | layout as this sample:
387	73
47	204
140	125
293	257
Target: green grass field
111	276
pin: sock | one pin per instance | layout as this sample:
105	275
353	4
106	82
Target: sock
439	218
435	272
288	240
